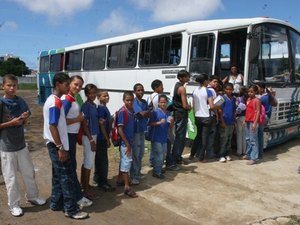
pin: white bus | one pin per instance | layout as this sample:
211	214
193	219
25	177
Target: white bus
264	49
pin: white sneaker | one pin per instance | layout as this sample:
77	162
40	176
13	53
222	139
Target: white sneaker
78	216
222	159
84	202
37	201
16	211
94	184
228	158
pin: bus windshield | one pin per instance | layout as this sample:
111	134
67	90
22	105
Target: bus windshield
273	56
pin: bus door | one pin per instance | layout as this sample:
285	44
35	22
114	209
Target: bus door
231	49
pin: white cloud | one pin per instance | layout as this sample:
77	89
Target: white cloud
117	23
8	26
179	10
55	9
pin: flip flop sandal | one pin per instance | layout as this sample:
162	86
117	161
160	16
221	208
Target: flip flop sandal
130	193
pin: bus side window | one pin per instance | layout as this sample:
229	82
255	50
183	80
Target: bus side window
162	50
56	62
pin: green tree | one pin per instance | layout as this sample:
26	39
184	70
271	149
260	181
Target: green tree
14	66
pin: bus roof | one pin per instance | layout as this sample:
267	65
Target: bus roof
189	27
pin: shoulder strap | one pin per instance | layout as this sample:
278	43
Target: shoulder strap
124	110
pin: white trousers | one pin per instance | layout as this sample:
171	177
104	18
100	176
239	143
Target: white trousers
12	162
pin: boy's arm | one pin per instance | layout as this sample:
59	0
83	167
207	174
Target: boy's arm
221	118
14	122
211	104
257	113
77	119
25	109
154	120
62	155
88	134
123	136
183	96
103	130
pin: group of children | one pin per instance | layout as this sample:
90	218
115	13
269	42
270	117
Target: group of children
244	114
162	119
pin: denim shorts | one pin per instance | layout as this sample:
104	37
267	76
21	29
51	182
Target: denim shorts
125	160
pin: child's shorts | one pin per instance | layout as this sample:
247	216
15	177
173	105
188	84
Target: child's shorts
125	161
88	154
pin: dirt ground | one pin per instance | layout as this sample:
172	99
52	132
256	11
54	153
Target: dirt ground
211	193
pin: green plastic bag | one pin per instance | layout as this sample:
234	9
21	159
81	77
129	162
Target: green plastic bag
191	126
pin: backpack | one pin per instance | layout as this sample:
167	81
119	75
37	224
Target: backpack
80	134
115	136
262	115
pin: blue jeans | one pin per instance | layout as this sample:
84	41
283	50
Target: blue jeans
240	135
251	141
72	154
226	136
200	143
261	138
211	138
159	151
63	189
180	135
138	149
101	162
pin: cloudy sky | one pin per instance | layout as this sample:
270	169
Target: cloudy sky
30	26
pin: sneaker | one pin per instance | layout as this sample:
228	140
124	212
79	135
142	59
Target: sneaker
191	157
202	160
159	176
16	211
250	162
179	162
135	181
78	216
37	201
94	184
228	158
173	168
84	202
222	160
107	187
142	176
245	157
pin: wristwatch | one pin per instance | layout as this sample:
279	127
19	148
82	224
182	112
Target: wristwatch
60	147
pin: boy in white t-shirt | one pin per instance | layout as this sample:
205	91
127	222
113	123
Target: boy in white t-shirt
56	137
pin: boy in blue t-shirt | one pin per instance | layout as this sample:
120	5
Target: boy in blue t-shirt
141	111
125	123
103	143
159	122
89	138
227	120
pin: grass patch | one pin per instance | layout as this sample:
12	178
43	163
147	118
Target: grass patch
294	220
29	86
